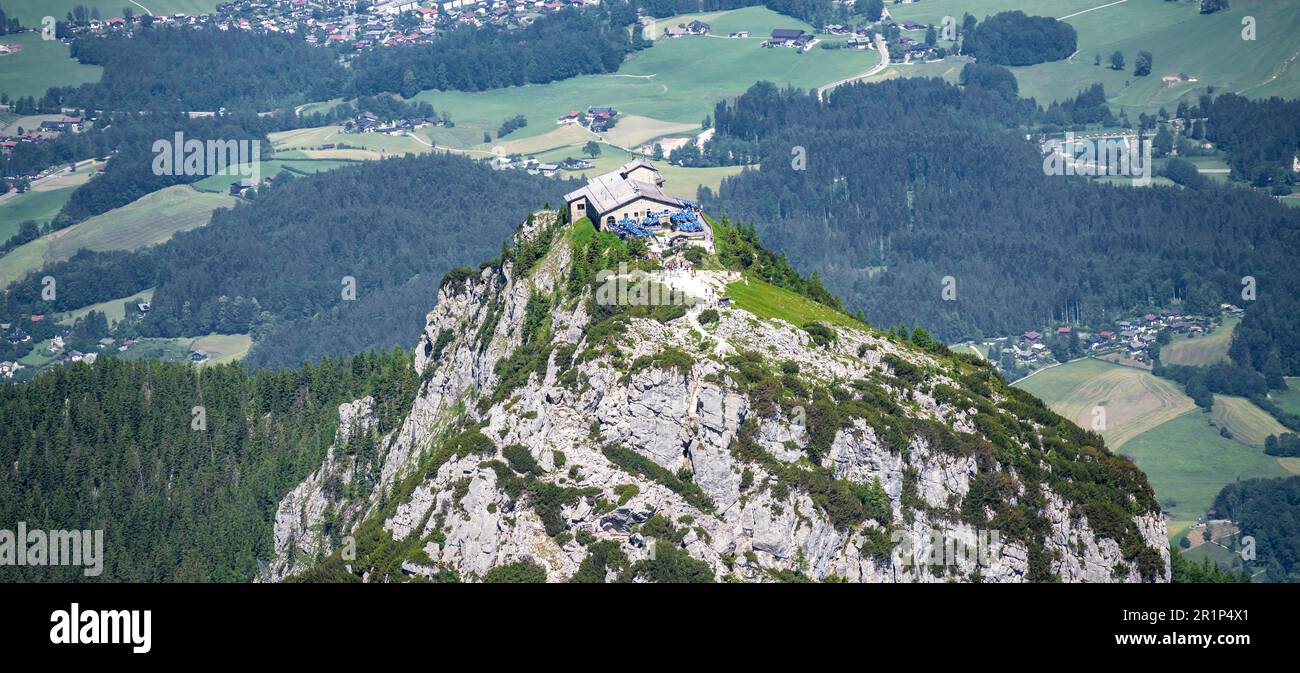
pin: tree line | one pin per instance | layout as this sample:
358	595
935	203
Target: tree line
1267	510
162	68
947	188
276	267
1014	38
181	467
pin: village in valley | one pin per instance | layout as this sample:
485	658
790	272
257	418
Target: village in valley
1133	341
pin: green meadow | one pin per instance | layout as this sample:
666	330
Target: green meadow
149	220
113	309
1290	398
677	81
40	65
1207	48
220	183
41	207
769	301
1178	445
1188	463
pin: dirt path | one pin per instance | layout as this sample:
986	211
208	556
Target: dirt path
1093	9
1277	72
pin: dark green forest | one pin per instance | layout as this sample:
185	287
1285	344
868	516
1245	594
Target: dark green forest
276	266
1260	136
182	69
474	59
181	495
1269	511
947	186
1013	38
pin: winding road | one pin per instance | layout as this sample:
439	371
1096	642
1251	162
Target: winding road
882	48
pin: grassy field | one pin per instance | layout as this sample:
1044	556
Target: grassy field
1150	419
1290	398
1226	560
306	144
677	81
1208	48
1203	350
222	348
758	23
149	220
40	65
38	206
769	301
31	11
664	91
1134	400
220	184
1176	528
1248	423
113	309
1188	463
39	356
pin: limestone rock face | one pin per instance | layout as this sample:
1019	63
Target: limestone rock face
298	533
717	459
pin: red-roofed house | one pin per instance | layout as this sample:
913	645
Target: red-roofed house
1063	330
1031	336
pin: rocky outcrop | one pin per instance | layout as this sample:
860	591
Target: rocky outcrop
741	514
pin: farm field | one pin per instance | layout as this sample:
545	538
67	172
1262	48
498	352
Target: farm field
1176	528
1173	441
31	11
220	184
769	301
1248	423
167	350
149	220
1203	350
1134	400
113	309
757	23
1290	398
41	64
1188	463
1218	554
39	356
677	81
306	144
40	207
1207	48
221	348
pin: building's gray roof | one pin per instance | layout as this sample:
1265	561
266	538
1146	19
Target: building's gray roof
611	190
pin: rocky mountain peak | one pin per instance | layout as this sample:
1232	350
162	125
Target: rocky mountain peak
713	421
